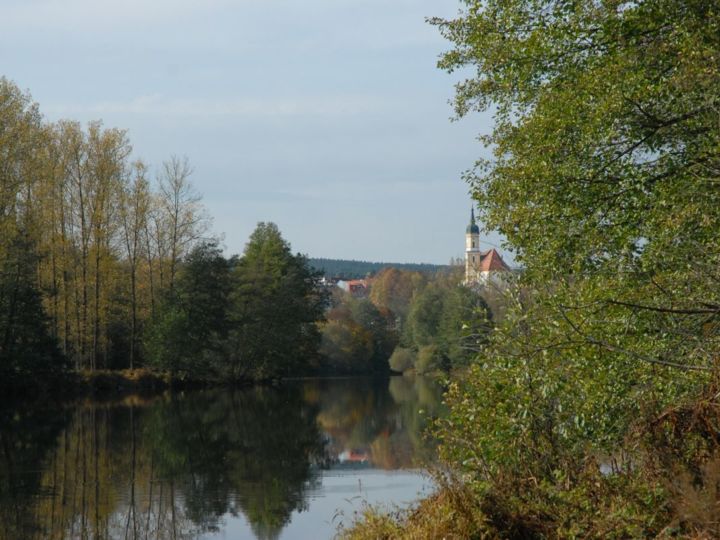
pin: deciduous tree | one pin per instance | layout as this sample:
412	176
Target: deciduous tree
603	178
277	302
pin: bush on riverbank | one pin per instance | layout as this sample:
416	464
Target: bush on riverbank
663	483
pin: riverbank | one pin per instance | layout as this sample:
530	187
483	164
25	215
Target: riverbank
448	513
661	483
105	384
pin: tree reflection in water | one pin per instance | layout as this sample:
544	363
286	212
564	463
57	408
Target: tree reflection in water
181	465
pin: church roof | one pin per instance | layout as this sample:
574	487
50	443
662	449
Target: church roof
491	261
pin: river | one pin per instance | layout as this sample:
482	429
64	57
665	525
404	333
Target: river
294	461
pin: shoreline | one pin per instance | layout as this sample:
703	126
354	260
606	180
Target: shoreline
100	385
110	385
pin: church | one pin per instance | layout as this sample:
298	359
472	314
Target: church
481	267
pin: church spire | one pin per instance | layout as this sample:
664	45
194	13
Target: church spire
472	228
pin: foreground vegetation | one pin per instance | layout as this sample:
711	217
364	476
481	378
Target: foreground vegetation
593	409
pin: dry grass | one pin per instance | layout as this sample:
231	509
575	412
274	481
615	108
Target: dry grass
686	440
694	499
451	513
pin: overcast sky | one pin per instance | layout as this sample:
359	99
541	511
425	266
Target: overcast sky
328	117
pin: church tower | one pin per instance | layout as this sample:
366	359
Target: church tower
473	256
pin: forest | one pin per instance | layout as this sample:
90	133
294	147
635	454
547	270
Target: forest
90	242
104	265
348	269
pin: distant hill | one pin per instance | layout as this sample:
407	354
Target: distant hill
344	269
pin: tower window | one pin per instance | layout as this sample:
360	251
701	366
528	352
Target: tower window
473	243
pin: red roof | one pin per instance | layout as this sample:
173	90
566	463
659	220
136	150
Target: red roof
491	261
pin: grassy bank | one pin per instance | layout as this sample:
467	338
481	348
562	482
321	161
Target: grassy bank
450	513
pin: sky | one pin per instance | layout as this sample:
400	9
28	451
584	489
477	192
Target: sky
327	117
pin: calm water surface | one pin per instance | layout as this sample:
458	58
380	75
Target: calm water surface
291	462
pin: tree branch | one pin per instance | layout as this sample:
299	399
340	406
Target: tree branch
715	310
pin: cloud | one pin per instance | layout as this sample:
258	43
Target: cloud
160	105
55	13
371	24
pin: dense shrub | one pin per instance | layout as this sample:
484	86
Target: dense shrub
402	359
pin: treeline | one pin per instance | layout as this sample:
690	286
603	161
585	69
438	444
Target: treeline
90	241
348	269
104	265
247	318
445	326
411	321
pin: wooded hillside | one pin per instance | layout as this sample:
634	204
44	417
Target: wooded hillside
349	269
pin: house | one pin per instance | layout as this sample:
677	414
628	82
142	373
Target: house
358	288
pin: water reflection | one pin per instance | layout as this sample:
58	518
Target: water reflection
184	465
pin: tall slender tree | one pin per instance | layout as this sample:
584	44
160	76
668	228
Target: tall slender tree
134	210
182	214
